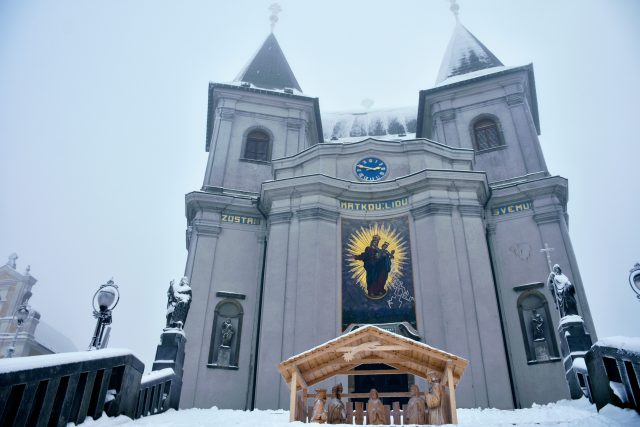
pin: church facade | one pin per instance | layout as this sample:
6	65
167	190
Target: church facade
433	224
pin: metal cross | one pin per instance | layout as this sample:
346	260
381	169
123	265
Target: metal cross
455	8
275	9
547	251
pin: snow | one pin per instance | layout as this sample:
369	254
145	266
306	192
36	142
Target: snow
156	375
34	362
384	123
572	318
618	390
631	344
565	413
578	363
474	74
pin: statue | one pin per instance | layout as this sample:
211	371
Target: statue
375	409
537	323
415	413
434	402
377	264
563	292
11	262
336	413
319	415
227	333
178	303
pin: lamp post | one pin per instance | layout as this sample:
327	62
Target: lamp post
104	301
634	279
21	314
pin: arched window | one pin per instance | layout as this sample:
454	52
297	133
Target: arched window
537	329
487	134
257	146
225	335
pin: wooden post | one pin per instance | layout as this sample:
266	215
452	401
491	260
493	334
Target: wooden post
293	396
452	394
359	418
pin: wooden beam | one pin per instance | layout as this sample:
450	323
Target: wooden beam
374	372
377	348
452	394
301	380
293	385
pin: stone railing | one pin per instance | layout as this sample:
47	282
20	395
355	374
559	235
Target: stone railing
613	373
57	389
154	394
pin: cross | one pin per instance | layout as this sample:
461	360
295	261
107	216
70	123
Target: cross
455	8
547	251
275	9
12	260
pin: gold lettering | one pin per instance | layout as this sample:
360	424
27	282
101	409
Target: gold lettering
343	205
350	206
371	207
519	207
510	208
224	218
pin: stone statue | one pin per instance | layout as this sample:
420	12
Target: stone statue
336	413
375	409
319	415
11	262
178	303
563	292
537	323
415	413
434	396
228	331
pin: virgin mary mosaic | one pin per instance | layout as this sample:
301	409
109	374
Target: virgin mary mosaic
377	276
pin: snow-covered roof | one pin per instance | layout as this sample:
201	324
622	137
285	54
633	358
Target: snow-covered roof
53	339
382	123
474	74
465	54
631	344
269	68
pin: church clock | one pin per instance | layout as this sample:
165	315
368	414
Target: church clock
371	169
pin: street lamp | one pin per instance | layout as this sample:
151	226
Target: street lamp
21	314
104	301
634	279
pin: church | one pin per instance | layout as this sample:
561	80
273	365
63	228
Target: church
435	223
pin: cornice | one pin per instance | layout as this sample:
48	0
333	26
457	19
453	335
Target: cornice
280	218
431	209
317	213
548	216
471	210
205	228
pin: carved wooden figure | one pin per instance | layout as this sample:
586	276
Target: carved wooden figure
375	409
319	414
336	413
434	400
416	408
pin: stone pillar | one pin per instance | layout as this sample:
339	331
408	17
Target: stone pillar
170	354
575	341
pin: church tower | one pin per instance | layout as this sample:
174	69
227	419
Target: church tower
259	116
478	103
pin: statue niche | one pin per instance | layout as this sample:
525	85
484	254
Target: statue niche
225	335
537	334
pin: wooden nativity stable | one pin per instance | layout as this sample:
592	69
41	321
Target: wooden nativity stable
370	345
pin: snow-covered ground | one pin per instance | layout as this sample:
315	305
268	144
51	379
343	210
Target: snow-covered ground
564	413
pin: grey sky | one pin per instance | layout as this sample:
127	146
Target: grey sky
103	114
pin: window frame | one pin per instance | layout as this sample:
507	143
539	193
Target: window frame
498	126
246	141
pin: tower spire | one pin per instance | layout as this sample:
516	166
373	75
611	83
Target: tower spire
275	10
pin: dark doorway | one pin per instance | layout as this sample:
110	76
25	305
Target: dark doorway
382	383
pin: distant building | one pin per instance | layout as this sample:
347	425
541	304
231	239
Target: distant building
307	224
34	337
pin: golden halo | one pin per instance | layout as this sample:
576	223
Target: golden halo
361	238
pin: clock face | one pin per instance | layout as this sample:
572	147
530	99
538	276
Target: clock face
371	169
